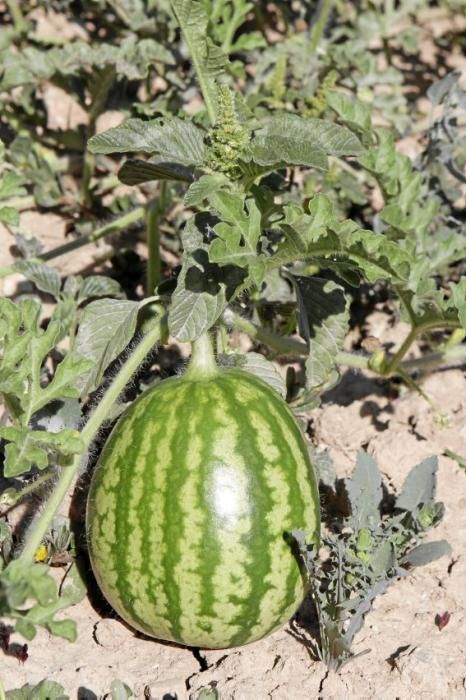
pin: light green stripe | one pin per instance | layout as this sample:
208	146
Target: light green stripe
103	512
230	485
192	522
157	614
296	444
276	521
135	562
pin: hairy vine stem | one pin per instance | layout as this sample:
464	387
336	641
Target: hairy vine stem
10	501
396	359
322	14
17	16
290	346
154	212
97	418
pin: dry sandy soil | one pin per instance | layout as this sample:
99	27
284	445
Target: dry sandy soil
408	656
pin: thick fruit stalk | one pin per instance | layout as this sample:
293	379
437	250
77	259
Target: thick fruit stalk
192	504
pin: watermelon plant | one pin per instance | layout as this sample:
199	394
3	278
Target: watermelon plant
287	205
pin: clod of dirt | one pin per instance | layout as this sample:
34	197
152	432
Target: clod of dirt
110	633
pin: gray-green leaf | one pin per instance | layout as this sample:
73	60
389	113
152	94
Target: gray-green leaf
426	553
294	140
323	317
44	277
106	328
364	490
256	364
419	486
135	172
175	140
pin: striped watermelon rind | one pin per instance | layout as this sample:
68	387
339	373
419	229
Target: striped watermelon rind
190	508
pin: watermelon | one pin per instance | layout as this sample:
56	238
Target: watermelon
191	507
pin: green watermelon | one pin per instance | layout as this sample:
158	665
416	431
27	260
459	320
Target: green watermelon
191	506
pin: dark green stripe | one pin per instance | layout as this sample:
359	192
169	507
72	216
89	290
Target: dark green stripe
210	558
288	467
171	512
250	450
121	552
150	508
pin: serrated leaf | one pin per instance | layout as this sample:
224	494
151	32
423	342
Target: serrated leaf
238	234
352	111
69	376
280	150
9	216
419	486
203	288
130	60
66	441
193	309
44	277
426	553
175	140
208	59
323	318
294	140
340	246
24	347
27	448
106	328
42	588
98	286
364	489
22	455
135	172
202	188
256	364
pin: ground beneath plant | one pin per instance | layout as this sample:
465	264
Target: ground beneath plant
407	656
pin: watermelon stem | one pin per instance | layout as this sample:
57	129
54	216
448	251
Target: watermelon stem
202	364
